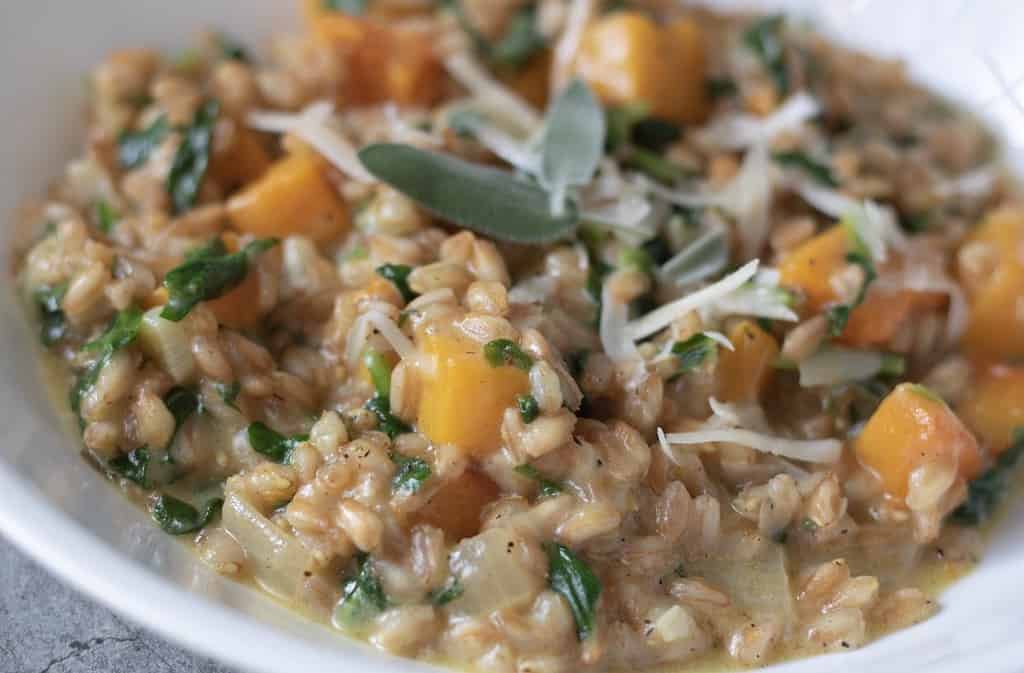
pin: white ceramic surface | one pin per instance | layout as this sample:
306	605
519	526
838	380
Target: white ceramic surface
65	515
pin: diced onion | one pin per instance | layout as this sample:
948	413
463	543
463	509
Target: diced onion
168	344
810	450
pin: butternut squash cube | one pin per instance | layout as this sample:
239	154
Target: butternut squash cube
464	397
744	372
912	425
994	406
457	506
810	266
292	198
242	162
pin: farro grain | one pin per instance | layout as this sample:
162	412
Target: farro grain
804	339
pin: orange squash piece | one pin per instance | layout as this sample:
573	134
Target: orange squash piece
744	372
464	397
910	426
457	506
239	308
292	198
994	406
810	266
627	58
244	161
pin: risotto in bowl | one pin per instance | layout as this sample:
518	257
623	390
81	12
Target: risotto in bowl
543	336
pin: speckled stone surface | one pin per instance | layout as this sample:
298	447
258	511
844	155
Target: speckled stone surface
47	627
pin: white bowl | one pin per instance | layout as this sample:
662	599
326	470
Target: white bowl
63	513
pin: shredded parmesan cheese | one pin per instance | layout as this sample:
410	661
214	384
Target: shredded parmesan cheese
495	98
810	450
361	330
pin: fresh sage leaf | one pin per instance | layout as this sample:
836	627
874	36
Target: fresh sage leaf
133	466
572	143
271	444
411	474
362	596
134	147
192	158
528	408
53	324
399	275
506	352
119	334
694	352
387	422
487	200
571	577
984	493
452	590
177	517
764	38
801	161
207	277
546	487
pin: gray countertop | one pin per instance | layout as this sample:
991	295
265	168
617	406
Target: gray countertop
47	627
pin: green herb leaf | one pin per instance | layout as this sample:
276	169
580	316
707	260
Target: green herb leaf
655	134
177	517
132	466
572	143
106	216
452	590
764	38
986	492
362	596
411	474
213	248
528	408
271	444
228	392
721	87
694	352
134	147
350	7
208	276
635	259
182	403
380	371
547	487
231	49
121	332
837	317
520	42
487	200
655	166
620	121
916	223
815	169
571	577
399	275
192	158
506	352
84	383
53	324
387	422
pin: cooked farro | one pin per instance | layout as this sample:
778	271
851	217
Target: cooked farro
453	327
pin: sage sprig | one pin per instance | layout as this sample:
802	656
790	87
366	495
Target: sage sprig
572	143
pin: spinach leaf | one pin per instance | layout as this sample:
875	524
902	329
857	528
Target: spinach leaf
506	352
520	41
636	259
119	334
694	352
838	316
546	486
53	324
654	134
132	466
399	275
350	7
528	408
84	383
182	403
271	444
764	38
362	596
177	517
487	200
655	166
134	147
985	492
452	590
228	392
231	49
720	87
380	371
571	577
620	121
213	248
916	223
387	422
208	277
815	169
192	158
572	143
105	215
411	474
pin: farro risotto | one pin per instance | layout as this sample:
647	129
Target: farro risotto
545	336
